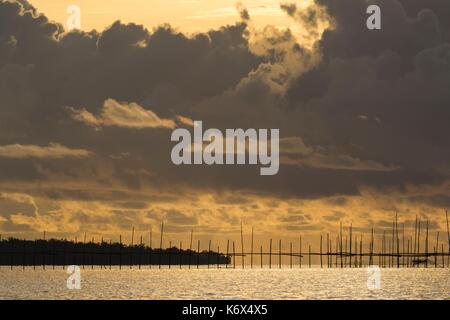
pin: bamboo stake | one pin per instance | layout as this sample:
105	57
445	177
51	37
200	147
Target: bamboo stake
261	257
198	252
426	247
242	246
331	254
218	256
300	253
360	251
270	254
251	252
170	254
140	253
151	248
234	257
228	247
309	255
328	250
110	255
436	249
84	249
131	249
340	237
351	240
448	237
403	244
209	251
161	244
321	263
279	254
120	252
181	254
418	241
337	245
290	255
190	249
415	242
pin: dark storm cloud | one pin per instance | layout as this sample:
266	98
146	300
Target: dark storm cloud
375	100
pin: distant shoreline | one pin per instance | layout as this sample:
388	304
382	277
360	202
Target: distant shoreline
16	252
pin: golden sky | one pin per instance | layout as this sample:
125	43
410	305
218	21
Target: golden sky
86	118
187	15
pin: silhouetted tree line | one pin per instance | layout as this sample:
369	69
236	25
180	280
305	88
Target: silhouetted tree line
17	252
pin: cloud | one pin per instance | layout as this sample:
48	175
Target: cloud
53	151
125	115
357	111
295	152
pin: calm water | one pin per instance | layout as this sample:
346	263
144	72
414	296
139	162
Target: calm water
225	284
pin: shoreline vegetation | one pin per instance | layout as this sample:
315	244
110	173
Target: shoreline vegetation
17	252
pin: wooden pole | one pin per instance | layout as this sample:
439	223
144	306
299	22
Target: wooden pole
190	249
403	244
228	247
209	251
261	257
131	248
351	240
270	254
234	257
34	255
279	254
415	242
251	252
328	250
426	247
418	241
360	252
84	249
309	255
330	254
140	253
337	246
300	253
448	237
393	242
407	255
181	254
110	254
161	244
120	252
290	255
242	247
371	248
170	254
398	241
321	262
340	241
436	249
218	257
198	252
151	248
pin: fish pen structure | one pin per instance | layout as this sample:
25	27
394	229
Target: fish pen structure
392	250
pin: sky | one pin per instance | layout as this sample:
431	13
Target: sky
187	15
86	117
